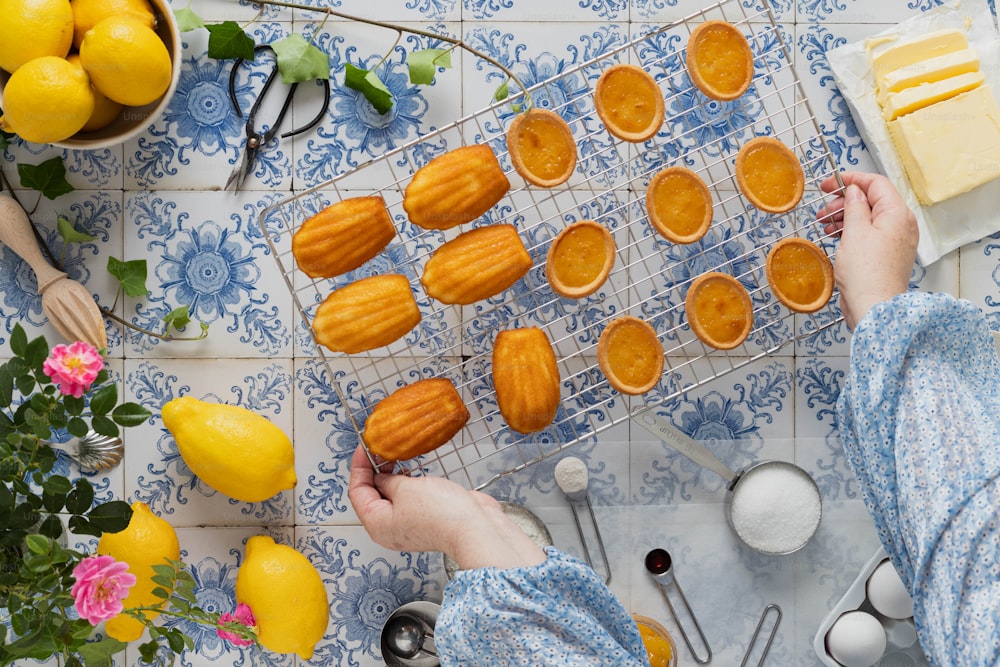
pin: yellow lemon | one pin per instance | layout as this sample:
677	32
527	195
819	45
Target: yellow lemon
147	541
235	451
87	14
47	99
31	29
286	594
126	60
105	111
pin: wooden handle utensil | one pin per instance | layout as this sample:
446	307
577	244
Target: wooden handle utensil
69	305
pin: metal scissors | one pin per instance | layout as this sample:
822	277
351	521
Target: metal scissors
256	139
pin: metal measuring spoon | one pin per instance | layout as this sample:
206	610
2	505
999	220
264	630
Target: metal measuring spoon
405	636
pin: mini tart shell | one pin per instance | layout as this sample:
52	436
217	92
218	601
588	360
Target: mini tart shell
704	63
729	297
769	175
652	361
568	247
800	274
679	193
629	86
542	147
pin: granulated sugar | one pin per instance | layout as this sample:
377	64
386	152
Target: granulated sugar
775	508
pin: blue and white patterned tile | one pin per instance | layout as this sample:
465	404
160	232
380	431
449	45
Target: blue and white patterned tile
980	277
859	11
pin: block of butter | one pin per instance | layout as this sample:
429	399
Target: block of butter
950	147
909	100
930	45
926	71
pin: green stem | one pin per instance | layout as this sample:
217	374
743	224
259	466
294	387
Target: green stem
413	31
110	315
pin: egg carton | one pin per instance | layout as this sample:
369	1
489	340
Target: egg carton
902	647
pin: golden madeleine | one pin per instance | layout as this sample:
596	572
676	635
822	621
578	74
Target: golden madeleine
415	419
342	237
526	378
719	310
800	274
542	147
366	314
629	102
476	265
454	188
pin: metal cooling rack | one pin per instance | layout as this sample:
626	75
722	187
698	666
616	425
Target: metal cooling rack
650	276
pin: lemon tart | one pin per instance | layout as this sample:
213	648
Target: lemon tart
719	60
629	102
630	355
800	274
769	175
580	259
679	204
542	147
719	310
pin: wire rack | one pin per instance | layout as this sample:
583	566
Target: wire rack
650	275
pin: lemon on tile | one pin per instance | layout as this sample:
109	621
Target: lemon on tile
286	594
47	99
148	540
31	29
126	60
235	451
88	13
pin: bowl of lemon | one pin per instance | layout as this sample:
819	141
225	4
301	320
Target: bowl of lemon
87	74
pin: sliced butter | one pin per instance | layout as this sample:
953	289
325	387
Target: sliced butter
908	52
926	71
950	147
909	100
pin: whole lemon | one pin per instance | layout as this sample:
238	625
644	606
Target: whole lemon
235	451
286	594
31	29
105	111
147	541
88	13
126	60
47	99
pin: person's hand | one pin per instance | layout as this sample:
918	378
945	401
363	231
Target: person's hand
435	514
878	242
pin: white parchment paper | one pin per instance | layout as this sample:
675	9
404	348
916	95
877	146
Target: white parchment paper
959	220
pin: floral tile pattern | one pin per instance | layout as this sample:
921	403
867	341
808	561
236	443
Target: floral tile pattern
159	198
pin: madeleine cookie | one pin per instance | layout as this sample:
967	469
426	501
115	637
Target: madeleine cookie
368	313
769	175
719	310
800	274
580	259
456	187
679	205
476	265
415	419
629	102
526	379
719	60
542	147
342	237
630	355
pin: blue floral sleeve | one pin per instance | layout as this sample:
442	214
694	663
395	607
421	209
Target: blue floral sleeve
556	613
919	416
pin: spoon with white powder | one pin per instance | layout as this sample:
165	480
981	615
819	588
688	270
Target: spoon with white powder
573	478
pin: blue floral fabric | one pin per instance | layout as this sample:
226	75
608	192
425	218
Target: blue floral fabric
919	416
556	613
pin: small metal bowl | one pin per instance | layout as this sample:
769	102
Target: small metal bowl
422	609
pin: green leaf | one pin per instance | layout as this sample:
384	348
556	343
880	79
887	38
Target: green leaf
175	638
131	275
99	653
502	92
111	517
178	318
79	500
368	84
423	64
57	484
52	527
228	40
37	544
69	233
187	20
18	340
104	399
49	177
130	414
299	60
160	592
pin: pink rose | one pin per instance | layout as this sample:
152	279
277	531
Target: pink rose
73	367
243	616
101	584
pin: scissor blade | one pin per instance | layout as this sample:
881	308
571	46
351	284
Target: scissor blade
240	171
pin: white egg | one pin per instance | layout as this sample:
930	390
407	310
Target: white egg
857	639
887	593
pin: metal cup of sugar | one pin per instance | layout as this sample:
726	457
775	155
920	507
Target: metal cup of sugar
773	507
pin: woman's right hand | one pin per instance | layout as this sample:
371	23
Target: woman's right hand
878	241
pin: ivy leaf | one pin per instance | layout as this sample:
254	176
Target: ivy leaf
49	177
228	40
187	20
423	65
69	233
368	84
501	92
131	275
178	318
299	60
